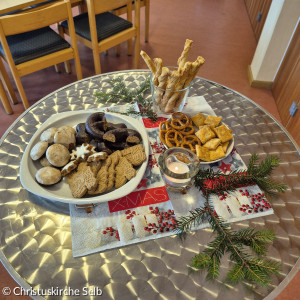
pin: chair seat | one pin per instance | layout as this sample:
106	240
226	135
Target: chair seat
34	44
107	25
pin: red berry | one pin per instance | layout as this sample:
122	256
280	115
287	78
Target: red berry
104	232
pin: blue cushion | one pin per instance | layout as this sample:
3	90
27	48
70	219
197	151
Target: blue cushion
43	3
37	43
107	25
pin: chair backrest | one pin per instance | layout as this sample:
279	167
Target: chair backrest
101	6
36	18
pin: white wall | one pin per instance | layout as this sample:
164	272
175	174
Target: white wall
276	35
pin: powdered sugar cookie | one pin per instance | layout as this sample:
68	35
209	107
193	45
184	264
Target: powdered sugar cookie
48	175
48	135
58	155
38	150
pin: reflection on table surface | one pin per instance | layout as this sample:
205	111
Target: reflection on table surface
36	239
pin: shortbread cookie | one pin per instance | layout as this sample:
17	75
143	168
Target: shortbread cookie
65	137
124	172
69	167
58	155
112	169
81	181
135	154
48	135
48	175
38	150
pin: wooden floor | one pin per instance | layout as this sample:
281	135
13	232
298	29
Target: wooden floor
222	34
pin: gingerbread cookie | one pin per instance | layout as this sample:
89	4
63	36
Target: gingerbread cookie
135	154
38	150
124	172
45	162
112	169
81	181
48	176
102	177
58	155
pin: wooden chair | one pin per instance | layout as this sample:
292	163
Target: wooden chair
28	44
99	29
144	3
6	84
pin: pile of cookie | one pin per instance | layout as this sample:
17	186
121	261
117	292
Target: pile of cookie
95	158
170	82
203	135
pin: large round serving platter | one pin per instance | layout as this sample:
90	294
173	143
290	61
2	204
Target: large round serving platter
228	151
61	191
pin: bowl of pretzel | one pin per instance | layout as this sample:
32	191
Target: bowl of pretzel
205	135
170	86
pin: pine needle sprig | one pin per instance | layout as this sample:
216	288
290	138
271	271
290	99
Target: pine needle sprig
130	95
256	270
216	182
245	267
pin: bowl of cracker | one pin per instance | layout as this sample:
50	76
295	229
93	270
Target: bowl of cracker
85	157
170	86
205	135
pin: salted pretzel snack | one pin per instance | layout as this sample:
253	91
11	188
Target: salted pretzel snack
209	140
173	138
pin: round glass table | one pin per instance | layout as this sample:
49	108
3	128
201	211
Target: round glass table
35	244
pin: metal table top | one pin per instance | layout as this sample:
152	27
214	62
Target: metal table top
35	244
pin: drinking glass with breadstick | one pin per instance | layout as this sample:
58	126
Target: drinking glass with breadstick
170	86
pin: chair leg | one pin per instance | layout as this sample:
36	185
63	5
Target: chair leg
57	68
67	67
147	19
21	90
137	52
129	45
118	50
4	100
7	83
97	65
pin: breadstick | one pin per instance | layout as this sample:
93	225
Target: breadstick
196	65
184	74
174	78
148	61
162	84
183	57
158	66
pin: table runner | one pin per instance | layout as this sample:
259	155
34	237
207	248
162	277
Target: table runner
150	211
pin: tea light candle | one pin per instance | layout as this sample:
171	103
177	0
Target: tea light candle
177	168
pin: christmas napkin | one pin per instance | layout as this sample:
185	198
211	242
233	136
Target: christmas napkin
151	210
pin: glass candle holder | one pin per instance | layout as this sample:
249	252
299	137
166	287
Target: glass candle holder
178	167
168	101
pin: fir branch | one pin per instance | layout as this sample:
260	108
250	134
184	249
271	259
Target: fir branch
211	182
122	92
245	267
